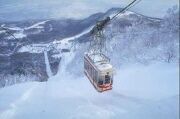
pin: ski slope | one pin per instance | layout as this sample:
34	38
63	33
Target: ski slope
37	25
48	68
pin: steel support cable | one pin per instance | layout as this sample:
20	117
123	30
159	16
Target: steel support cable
124	9
11	34
7	31
134	4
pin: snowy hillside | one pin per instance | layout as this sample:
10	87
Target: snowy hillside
139	92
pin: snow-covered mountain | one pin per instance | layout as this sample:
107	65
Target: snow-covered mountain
130	33
143	50
35	36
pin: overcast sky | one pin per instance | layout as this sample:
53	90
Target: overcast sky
32	9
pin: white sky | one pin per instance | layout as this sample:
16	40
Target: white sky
77	8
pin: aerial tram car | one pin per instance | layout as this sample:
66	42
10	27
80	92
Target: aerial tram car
97	66
99	71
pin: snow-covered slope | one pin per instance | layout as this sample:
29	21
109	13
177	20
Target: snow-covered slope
48	68
138	92
36	26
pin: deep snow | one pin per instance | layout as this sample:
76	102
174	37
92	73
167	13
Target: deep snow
139	92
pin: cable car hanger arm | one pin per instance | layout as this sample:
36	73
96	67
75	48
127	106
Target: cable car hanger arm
101	24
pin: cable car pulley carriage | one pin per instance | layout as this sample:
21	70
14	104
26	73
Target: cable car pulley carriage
97	65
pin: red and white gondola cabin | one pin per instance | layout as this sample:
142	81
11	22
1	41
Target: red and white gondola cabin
99	71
